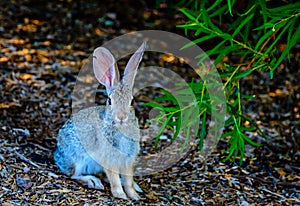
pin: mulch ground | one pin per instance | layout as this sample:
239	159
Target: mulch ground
43	46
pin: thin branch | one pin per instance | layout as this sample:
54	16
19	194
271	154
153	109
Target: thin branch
26	160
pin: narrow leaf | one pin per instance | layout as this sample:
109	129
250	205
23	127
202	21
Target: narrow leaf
163	126
188	14
292	42
243	74
245	21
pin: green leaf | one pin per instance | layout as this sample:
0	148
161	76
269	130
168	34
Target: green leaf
202	39
186	117
188	14
227	134
271	73
265	26
214	50
276	40
189	25
203	131
153	105
290	33
241	148
225	52
287	8
292	42
177	128
230	5
232	148
216	3
207	20
248	129
219	12
248	97
244	22
245	35
250	141
243	74
187	135
263	39
163	126
255	125
168	96
226	37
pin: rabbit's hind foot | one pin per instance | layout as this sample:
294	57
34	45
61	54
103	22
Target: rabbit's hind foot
137	187
89	180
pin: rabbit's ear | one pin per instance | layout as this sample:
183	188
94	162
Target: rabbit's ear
132	65
105	68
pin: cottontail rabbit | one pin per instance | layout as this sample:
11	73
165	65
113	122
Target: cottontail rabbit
104	138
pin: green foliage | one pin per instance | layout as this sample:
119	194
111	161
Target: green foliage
254	34
179	117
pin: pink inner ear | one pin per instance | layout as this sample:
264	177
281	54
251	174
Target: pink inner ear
105	67
132	65
105	78
109	76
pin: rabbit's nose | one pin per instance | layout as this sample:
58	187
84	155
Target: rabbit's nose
122	119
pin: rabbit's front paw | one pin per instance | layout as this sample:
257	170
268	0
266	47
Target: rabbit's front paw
119	193
132	194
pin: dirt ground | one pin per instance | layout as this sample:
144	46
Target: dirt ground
43	46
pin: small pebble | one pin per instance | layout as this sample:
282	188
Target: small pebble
26	169
24	182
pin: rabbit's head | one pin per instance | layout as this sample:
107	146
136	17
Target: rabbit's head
119	91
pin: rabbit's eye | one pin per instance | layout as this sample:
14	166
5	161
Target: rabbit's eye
132	101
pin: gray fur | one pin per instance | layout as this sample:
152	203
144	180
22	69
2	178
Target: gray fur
103	138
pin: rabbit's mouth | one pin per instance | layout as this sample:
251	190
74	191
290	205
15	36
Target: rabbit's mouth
120	122
122	119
